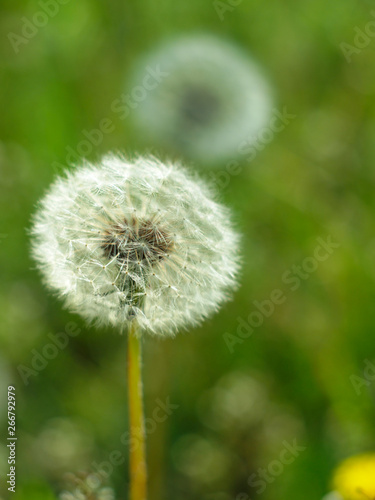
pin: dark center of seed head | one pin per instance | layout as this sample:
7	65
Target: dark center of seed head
137	241
199	106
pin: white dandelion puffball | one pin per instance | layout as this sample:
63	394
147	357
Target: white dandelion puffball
87	487
209	98
142	239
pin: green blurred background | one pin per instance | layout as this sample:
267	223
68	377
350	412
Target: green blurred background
293	378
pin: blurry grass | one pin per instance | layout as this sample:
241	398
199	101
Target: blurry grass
34	492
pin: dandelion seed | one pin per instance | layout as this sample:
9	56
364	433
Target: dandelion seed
138	245
213	98
140	240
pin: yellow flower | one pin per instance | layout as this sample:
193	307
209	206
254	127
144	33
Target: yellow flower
354	479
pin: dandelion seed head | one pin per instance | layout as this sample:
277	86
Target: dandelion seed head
140	239
213	97
85	486
333	495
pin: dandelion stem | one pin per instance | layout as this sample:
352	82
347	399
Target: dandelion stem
138	470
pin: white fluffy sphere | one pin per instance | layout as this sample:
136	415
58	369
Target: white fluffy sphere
143	239
212	98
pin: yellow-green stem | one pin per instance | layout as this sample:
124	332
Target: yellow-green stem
138	469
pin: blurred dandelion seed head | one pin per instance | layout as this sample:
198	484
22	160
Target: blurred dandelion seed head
63	444
203	460
143	239
86	487
236	401
213	98
333	495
